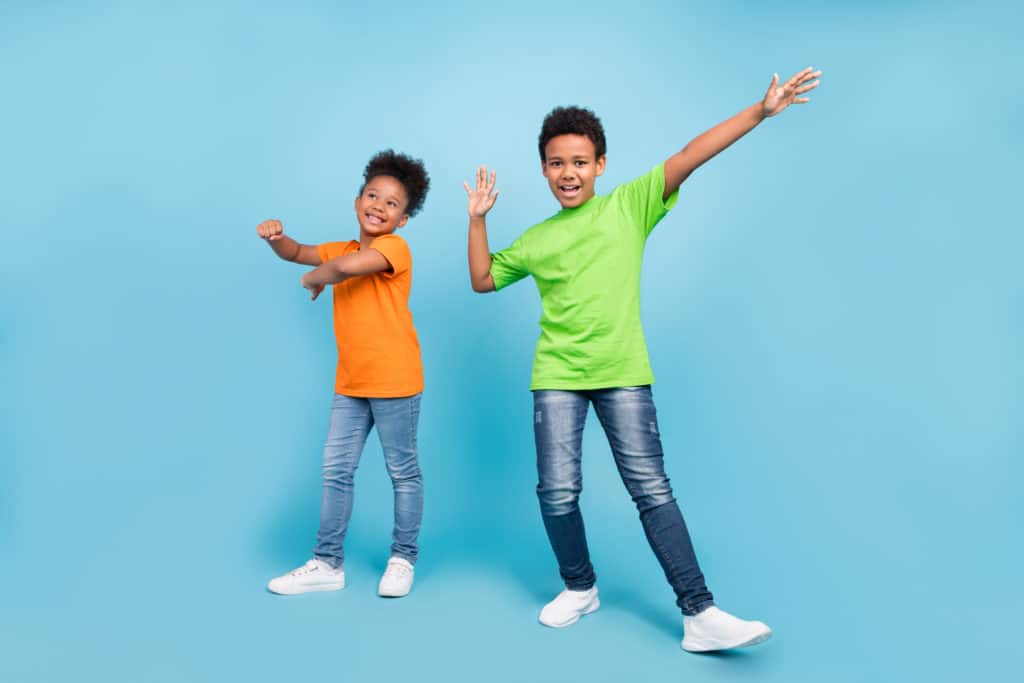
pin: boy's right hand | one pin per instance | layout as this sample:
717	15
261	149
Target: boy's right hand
270	230
481	199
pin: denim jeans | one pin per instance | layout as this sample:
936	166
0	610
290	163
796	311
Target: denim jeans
351	420
631	425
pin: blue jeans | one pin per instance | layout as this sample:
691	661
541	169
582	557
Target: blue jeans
351	420
631	425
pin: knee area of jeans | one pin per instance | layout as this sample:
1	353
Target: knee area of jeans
405	471
558	504
338	474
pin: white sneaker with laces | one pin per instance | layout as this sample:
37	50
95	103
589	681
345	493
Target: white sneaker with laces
397	579
714	629
315	575
568	606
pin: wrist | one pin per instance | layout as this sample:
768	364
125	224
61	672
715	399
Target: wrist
477	221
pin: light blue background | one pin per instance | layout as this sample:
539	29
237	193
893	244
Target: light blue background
833	313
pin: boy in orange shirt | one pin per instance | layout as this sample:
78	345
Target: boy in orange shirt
379	378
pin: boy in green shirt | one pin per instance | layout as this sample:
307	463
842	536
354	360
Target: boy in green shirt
586	262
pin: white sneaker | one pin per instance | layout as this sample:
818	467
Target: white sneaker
315	575
714	629
568	606
397	579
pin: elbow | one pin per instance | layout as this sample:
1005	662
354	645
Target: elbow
483	286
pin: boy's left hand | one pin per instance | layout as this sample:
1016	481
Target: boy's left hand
314	288
779	97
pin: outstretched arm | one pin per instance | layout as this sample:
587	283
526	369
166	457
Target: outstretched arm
332	272
285	247
709	143
481	200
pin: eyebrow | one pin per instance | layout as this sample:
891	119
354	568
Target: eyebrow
372	188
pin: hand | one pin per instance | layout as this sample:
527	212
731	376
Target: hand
481	200
314	288
270	230
778	98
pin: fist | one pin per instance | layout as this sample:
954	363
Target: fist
270	230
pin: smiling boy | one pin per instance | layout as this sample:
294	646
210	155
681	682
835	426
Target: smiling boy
379	376
586	263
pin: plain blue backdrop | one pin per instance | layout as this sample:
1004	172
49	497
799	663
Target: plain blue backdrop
833	313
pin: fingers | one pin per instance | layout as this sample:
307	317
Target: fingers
798	77
804	88
774	83
802	77
270	230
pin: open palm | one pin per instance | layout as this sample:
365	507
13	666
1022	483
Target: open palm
483	197
779	97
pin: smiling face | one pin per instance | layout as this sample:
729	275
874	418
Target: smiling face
380	208
571	167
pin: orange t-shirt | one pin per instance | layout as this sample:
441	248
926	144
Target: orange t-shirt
378	352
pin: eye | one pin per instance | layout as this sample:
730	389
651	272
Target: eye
581	162
392	204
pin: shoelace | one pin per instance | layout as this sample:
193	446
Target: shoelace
396	571
310	566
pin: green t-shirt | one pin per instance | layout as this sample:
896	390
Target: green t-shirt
586	263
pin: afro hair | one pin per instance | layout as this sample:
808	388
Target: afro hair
572	121
406	170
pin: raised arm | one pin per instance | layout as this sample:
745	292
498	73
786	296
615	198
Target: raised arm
285	247
481	200
363	262
679	166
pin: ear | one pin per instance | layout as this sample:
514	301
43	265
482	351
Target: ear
599	165
401	223
544	167
355	202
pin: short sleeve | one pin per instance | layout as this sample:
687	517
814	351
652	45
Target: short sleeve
508	266
396	251
329	250
641	198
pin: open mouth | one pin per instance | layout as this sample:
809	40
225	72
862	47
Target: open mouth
569	190
374	220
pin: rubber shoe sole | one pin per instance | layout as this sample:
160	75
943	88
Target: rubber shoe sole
333	586
712	645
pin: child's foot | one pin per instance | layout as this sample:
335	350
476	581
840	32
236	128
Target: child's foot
397	579
714	629
568	606
315	575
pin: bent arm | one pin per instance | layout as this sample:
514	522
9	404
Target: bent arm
479	256
290	250
285	247
363	262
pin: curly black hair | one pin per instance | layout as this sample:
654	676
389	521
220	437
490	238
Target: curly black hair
406	170
572	121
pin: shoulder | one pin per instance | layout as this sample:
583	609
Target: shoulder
395	250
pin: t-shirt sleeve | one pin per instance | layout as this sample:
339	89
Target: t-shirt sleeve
329	250
509	266
396	251
641	198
